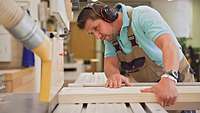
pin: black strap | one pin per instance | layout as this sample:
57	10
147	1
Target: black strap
131	35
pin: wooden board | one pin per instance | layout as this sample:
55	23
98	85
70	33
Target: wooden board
154	108
107	108
68	108
52	76
99	79
90	90
137	108
96	78
17	78
124	94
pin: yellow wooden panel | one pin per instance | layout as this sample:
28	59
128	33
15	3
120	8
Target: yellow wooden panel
81	44
52	75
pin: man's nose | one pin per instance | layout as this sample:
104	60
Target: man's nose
97	35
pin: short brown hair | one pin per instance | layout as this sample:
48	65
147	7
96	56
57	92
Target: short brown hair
89	12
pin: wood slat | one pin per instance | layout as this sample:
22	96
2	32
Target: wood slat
137	108
107	108
68	108
154	108
88	80
134	84
100	78
124	94
83	78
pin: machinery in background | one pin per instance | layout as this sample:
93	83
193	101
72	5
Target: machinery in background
193	56
194	59
28	31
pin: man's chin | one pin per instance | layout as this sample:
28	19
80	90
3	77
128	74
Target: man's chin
111	39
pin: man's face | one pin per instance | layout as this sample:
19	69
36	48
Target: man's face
100	29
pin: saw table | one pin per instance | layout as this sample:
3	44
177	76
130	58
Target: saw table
87	95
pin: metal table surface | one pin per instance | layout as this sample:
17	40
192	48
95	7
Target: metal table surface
21	103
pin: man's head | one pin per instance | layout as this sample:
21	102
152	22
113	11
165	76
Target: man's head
100	20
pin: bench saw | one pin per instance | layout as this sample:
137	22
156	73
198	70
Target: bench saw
87	94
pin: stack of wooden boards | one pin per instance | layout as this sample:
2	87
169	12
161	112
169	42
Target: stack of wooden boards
18	79
87	95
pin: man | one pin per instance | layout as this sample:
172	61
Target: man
139	44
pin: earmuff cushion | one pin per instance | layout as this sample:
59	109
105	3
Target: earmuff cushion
109	14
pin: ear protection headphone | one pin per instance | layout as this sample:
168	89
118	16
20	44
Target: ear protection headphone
107	13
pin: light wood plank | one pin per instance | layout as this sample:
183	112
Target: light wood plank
124	94
68	108
101	84
154	108
83	78
137	108
100	78
107	108
17	78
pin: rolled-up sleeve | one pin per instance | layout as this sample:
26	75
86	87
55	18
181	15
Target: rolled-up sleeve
109	49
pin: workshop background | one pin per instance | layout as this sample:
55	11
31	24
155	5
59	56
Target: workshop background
82	53
20	68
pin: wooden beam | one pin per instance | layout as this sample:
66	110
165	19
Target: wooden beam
137	108
107	108
134	84
18	78
68	108
124	94
154	108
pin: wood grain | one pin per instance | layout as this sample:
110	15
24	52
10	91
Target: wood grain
124	94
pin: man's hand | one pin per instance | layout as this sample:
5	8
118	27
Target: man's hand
165	91
116	80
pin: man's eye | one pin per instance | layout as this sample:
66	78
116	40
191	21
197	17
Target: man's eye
91	33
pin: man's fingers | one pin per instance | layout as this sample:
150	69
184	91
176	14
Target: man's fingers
128	84
119	83
110	84
166	101
126	81
147	90
115	85
172	101
107	84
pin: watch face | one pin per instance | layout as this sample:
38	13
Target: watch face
175	74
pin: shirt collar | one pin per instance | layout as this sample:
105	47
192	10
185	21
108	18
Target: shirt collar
122	8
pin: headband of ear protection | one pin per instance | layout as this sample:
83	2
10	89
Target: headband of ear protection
107	13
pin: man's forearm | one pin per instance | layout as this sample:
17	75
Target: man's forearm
111	66
170	57
170	52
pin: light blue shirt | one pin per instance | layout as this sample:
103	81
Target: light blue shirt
147	25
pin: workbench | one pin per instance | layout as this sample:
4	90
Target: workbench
87	95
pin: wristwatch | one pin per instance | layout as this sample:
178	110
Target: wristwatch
172	73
